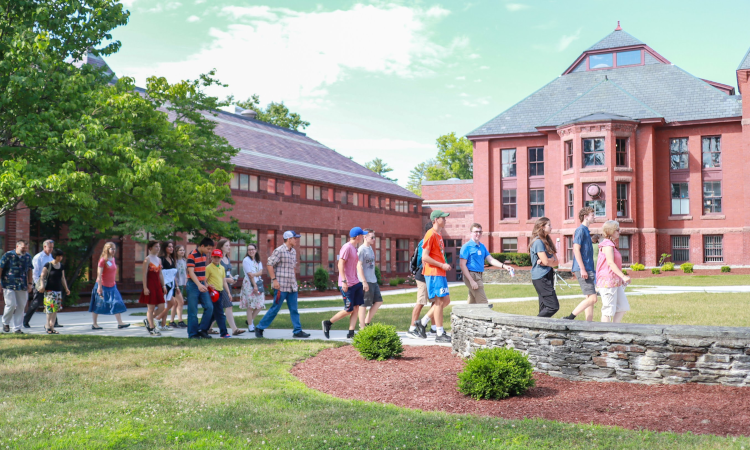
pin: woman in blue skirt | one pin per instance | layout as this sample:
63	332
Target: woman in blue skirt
105	298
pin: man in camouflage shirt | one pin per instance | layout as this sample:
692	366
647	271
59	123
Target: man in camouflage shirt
16	279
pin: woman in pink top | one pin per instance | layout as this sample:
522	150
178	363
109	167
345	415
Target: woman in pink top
610	280
105	298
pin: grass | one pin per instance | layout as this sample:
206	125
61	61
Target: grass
694	280
84	392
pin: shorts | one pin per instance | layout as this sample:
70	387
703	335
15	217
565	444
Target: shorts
588	285
373	295
52	302
354	296
614	300
437	286
422	293
476	295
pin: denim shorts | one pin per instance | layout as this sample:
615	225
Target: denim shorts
354	296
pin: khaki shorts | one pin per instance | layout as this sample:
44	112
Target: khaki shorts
614	300
422	293
476	295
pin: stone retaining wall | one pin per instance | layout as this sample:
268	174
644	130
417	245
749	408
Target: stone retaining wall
652	354
523	276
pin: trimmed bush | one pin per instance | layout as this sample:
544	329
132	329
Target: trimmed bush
686	268
726	269
320	279
378	341
655	271
495	373
668	267
637	267
624	272
393	282
519	259
378	275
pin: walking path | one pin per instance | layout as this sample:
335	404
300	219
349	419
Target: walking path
79	323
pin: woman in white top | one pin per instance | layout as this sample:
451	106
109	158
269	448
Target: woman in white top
181	281
252	296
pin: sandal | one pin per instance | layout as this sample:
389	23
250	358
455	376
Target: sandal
54	331
94	327
237	332
212	331
48	330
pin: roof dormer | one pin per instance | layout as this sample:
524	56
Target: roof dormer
618	49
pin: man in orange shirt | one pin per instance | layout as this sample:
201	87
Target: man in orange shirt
434	267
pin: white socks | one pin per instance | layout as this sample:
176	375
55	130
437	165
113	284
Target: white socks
440	331
412	328
433	328
425	320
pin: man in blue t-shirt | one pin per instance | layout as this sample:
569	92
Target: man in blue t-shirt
583	265
473	256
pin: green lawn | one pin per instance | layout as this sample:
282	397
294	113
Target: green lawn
82	392
694	280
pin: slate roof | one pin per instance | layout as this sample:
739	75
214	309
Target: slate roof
639	92
600	117
617	38
95	61
745	64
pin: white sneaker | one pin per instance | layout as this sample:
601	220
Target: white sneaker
251	329
165	328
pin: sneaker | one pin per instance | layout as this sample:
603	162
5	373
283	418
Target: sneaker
570	317
165	328
145	323
173	324
251	329
154	332
414	334
181	324
443	339
226	336
26	325
301	334
350	334
421	329
203	335
433	331
57	325
258	333
327	328
6	328
125	325
19	332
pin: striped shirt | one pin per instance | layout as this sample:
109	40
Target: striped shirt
197	261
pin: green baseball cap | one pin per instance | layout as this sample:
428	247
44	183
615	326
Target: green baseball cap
437	213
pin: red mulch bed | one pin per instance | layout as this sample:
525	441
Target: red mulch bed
678	273
426	378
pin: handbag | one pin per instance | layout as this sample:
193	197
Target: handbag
214	294
41	283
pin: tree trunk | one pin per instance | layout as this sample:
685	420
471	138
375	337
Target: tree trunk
84	259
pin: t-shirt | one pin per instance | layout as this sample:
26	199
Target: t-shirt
109	272
434	246
582	237
54	277
215	276
367	257
349	254
475	254
15	269
605	277
197	261
538	271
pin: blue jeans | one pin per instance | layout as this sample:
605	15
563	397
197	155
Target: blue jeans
220	318
193	297
278	300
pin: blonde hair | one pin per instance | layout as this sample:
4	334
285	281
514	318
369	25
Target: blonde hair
105	250
176	254
609	228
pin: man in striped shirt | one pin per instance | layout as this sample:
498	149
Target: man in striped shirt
197	291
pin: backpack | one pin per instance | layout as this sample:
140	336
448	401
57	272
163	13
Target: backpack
416	262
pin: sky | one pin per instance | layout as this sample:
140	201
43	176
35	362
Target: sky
386	78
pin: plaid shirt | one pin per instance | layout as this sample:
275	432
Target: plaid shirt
284	262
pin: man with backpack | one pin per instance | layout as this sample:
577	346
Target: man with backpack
416	269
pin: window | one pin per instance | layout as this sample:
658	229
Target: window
331	254
536	203
711	152
678	154
342	197
624	247
600	61
377	251
536	162
244	182
402	255
593	152
569	248
373	201
621	152
622	200
510	245
388	255
263	184
628	58
568	155
680	199
711	197
313	192
680	248
509	163
509	203
238	251
598	205
355	199
713	249
402	205
569	196
280	187
309	253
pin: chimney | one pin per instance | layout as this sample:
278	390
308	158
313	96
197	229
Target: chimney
618	26
249	113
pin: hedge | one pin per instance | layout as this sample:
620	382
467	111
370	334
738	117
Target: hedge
519	259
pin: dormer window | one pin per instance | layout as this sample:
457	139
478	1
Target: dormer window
630	58
602	61
617	59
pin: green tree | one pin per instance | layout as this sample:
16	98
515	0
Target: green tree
103	159
419	174
456	155
275	113
379	167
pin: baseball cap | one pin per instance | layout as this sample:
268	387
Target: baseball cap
356	231
217	252
437	213
290	234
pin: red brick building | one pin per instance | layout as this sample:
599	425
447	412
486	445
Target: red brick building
632	135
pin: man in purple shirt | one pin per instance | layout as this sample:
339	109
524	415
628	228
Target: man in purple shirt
352	288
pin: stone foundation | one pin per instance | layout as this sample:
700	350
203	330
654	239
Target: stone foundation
585	351
494	275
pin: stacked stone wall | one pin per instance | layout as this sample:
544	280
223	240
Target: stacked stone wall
581	351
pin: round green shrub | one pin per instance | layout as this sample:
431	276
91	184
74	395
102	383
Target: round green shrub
495	373
320	279
378	341
624	272
655	271
668	267
393	282
686	268
378	276
637	267
726	269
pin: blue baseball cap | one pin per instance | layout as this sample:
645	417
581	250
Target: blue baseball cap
356	231
290	234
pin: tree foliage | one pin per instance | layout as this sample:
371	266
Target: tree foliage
379	167
455	159
419	174
103	159
275	113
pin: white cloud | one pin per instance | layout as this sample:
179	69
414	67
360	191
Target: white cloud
477	102
461	77
291	56
484	68
513	7
192	19
478	80
165	6
450	86
474	56
127	3
565	40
